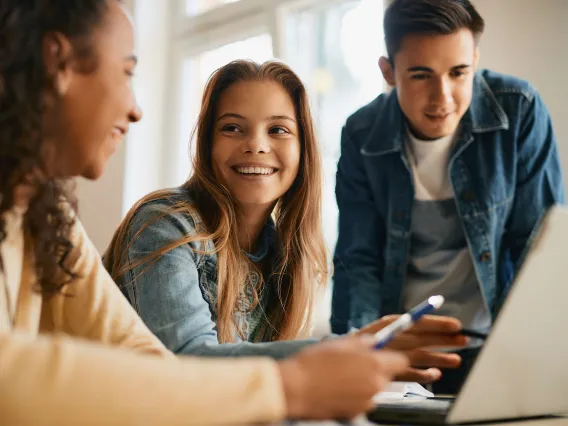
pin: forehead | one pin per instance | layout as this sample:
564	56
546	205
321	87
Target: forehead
256	99
436	51
116	33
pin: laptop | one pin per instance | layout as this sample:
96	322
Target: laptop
522	370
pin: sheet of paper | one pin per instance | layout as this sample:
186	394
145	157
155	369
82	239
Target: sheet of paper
398	390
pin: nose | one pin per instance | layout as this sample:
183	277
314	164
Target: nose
135	113
256	144
441	93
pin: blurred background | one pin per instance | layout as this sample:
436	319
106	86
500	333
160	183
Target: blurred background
334	46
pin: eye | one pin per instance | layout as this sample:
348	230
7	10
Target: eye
457	73
129	73
278	130
419	76
231	128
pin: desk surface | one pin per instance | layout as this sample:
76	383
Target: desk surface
364	422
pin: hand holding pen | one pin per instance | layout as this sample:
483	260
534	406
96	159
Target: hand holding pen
427	332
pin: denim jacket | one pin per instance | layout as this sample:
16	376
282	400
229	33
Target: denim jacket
504	170
176	296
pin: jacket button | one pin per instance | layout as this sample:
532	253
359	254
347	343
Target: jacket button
468	195
485	256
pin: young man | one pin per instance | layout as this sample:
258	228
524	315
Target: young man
441	181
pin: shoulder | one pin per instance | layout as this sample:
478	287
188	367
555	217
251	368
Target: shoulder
504	84
365	117
172	211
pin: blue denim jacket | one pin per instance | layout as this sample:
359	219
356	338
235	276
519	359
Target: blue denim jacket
176	296
504	170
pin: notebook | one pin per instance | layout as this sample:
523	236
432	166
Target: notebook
399	390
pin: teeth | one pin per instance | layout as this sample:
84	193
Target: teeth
255	170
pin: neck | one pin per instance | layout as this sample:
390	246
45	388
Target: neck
251	219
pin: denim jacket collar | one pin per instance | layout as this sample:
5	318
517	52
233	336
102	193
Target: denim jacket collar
387	132
265	242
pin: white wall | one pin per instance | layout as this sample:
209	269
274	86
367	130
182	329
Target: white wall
100	202
527	38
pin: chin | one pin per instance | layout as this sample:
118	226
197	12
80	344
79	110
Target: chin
440	132
93	173
253	200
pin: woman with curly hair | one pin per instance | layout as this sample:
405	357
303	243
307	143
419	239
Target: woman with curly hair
72	350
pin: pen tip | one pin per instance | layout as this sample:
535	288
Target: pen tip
436	301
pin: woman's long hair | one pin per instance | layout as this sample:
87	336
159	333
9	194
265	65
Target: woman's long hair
301	266
25	86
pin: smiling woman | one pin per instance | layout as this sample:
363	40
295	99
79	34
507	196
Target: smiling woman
256	152
235	255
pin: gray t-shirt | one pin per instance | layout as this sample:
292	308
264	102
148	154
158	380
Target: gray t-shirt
440	263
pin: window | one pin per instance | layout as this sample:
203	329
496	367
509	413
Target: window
335	50
334	45
196	7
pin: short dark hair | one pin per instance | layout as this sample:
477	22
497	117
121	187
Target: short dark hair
407	17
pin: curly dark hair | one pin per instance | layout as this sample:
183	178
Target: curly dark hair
24	84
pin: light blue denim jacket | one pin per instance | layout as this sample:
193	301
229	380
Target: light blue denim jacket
177	295
504	170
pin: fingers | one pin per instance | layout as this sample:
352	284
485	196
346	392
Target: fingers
391	363
436	324
420	358
426	324
421	376
415	340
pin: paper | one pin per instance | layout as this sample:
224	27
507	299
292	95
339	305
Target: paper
399	390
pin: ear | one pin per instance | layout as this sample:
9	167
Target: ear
57	57
475	58
387	70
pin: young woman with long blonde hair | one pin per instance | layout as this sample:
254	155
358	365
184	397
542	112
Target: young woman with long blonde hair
230	262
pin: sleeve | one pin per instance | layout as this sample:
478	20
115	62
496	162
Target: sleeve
539	177
92	307
168	296
60	381
356	295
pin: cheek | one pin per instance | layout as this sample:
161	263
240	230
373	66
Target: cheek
220	152
290	157
412	98
463	99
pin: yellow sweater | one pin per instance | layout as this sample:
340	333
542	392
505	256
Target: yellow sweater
89	359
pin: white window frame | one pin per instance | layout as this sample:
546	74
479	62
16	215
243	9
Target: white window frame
193	35
168	36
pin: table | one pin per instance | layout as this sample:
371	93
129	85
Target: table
363	422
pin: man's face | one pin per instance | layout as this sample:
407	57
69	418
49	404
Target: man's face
433	76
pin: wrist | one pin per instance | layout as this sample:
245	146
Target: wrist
294	387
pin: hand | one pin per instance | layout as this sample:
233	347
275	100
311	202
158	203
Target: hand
337	379
430	332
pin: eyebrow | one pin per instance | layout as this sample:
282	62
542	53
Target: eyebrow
427	69
271	118
132	58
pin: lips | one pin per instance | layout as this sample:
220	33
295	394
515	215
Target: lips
118	132
255	170
437	116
